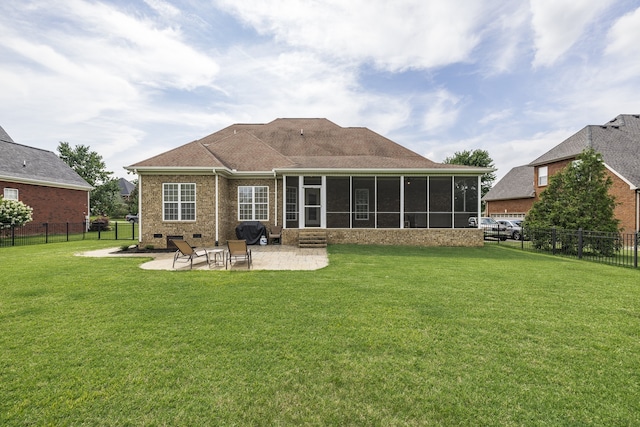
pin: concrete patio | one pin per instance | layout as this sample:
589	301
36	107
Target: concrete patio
270	257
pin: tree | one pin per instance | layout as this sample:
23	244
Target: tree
478	158
90	166
14	212
576	198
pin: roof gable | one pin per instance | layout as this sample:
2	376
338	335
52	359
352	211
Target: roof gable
618	141
21	163
516	184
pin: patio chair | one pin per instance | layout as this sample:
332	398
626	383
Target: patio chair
275	233
238	250
186	253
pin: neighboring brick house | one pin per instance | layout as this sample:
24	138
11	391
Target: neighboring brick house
40	179
305	174
618	141
512	196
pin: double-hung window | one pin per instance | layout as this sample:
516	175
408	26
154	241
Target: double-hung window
179	202
543	176
253	203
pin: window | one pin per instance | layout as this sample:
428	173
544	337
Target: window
543	176
179	202
362	203
11	193
292	204
253	203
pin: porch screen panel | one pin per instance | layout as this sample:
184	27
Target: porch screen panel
465	194
440	202
338	202
291	201
415	202
363	199
388	202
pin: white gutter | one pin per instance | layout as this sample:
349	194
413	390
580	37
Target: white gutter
44	183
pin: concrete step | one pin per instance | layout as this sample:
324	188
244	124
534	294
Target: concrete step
312	239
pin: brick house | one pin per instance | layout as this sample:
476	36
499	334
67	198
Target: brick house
618	141
351	183
39	179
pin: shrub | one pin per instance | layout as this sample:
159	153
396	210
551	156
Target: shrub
14	212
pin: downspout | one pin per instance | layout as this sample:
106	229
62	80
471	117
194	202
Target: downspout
139	206
217	207
638	210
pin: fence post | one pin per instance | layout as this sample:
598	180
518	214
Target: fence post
99	229
133	230
13	234
635	249
67	232
553	240
46	232
116	230
580	243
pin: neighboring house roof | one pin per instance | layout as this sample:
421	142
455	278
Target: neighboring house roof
4	136
290	144
125	187
20	163
618	141
516	184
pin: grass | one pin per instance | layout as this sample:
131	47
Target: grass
383	336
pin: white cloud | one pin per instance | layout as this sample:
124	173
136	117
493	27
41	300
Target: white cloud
442	112
399	35
558	24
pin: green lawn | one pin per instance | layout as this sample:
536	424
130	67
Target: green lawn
383	336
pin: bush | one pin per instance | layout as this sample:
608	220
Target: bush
14	212
100	224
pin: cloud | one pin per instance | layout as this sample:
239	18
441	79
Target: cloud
395	36
558	24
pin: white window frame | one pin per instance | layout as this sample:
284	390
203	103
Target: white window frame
543	176
182	199
11	194
361	204
249	209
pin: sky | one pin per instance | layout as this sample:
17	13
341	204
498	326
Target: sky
134	78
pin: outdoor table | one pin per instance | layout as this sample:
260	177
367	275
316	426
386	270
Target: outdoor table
216	256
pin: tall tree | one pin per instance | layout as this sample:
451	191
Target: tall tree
90	166
577	197
478	158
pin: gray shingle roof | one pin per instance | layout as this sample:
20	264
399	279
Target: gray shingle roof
19	163
618	141
4	136
516	184
126	187
293	144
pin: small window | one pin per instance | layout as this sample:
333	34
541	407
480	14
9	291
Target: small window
362	203
543	176
253	203
11	193
292	204
179	202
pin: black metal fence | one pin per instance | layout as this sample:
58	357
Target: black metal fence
39	233
609	248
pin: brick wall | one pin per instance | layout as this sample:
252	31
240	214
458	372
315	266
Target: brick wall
468	237
625	209
515	207
52	204
154	230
